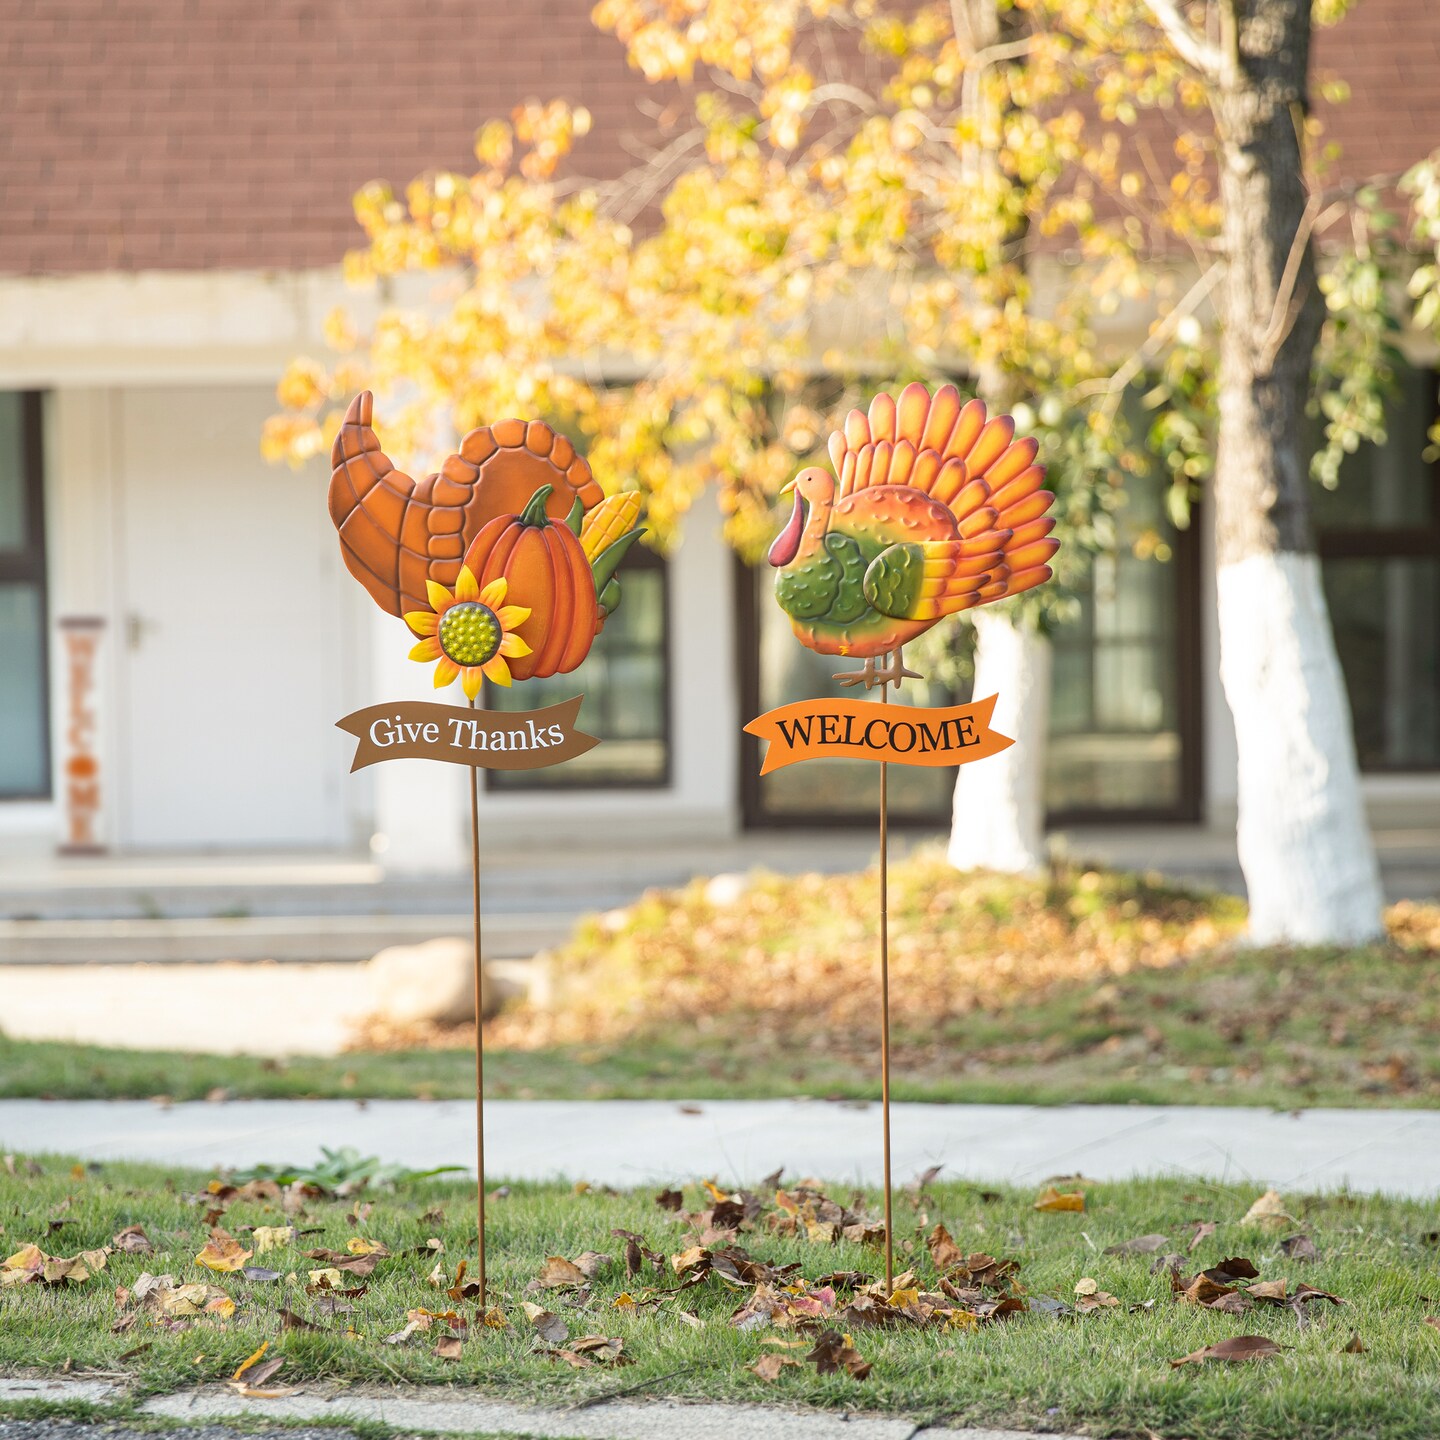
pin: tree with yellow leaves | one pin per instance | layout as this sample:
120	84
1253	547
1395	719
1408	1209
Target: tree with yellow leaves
861	194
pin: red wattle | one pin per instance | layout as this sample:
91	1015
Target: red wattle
787	542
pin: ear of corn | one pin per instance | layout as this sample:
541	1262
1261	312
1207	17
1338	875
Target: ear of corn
606	522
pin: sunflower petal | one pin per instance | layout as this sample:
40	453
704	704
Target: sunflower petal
494	593
470	678
512	644
428	649
511	616
423	622
497	670
465	586
440	598
445	672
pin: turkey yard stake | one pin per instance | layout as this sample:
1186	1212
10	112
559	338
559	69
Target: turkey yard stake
479	1033
504	565
933	508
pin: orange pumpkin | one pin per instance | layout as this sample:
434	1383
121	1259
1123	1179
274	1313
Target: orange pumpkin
542	562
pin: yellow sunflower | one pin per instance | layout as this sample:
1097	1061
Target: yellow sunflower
468	633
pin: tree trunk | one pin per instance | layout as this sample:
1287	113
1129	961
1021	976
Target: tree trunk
998	820
1304	845
999	815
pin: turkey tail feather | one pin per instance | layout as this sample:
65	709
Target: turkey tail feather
397	533
368	502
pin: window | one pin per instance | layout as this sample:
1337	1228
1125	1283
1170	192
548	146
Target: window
24	706
1378	533
1124	704
624	680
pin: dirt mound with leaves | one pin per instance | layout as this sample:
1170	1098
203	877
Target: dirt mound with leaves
798	954
794	957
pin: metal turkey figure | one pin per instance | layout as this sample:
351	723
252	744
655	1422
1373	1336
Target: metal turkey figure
933	509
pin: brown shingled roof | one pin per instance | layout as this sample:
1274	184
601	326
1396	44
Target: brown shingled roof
187	134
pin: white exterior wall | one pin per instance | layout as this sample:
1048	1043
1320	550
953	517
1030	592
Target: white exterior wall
156	387
95	343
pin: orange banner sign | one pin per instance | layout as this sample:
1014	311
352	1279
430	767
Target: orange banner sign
489	739
83	784
865	730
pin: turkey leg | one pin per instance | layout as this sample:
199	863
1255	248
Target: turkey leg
870	676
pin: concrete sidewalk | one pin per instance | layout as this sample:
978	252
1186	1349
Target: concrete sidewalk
643	1142
452	1411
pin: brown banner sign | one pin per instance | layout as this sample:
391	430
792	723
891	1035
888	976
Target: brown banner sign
490	739
864	730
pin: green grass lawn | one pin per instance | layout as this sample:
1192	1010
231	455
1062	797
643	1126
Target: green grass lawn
1083	986
1107	1370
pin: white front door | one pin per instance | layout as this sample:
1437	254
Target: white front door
230	633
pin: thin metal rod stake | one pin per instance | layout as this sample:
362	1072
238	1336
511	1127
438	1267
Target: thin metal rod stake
479	1034
884	1002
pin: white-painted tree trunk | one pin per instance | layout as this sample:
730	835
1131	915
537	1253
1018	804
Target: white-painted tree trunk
999	815
1305	846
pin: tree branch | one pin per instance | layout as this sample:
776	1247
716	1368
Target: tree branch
1196	51
1114	387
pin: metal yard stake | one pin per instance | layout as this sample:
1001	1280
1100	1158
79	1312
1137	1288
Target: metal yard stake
514	582
933	507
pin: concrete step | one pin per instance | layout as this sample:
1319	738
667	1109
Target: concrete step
296	938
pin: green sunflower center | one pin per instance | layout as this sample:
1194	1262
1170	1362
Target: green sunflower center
470	633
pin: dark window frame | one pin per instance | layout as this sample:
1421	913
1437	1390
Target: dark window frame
1392	542
27	566
514	782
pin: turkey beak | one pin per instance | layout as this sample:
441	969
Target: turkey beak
787	542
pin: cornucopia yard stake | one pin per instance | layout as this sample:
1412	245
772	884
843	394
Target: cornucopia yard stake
934	507
503	564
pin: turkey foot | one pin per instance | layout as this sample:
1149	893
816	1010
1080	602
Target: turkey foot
869	676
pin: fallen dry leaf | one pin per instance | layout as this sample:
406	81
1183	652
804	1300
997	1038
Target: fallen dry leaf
253	1371
834	1352
670	1200
31	1264
272	1237
559	1273
768	1367
449	1347
223	1252
1271	1290
1203	1230
1237	1348
944	1252
548	1325
1299	1247
1141	1245
1052	1200
1269	1211
1089	1296
132	1240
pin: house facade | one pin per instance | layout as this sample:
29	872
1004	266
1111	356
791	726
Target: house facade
178	634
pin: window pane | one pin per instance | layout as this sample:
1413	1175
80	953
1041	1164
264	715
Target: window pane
1114	710
623	681
23	768
14	520
1386	617
790	672
1389	486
